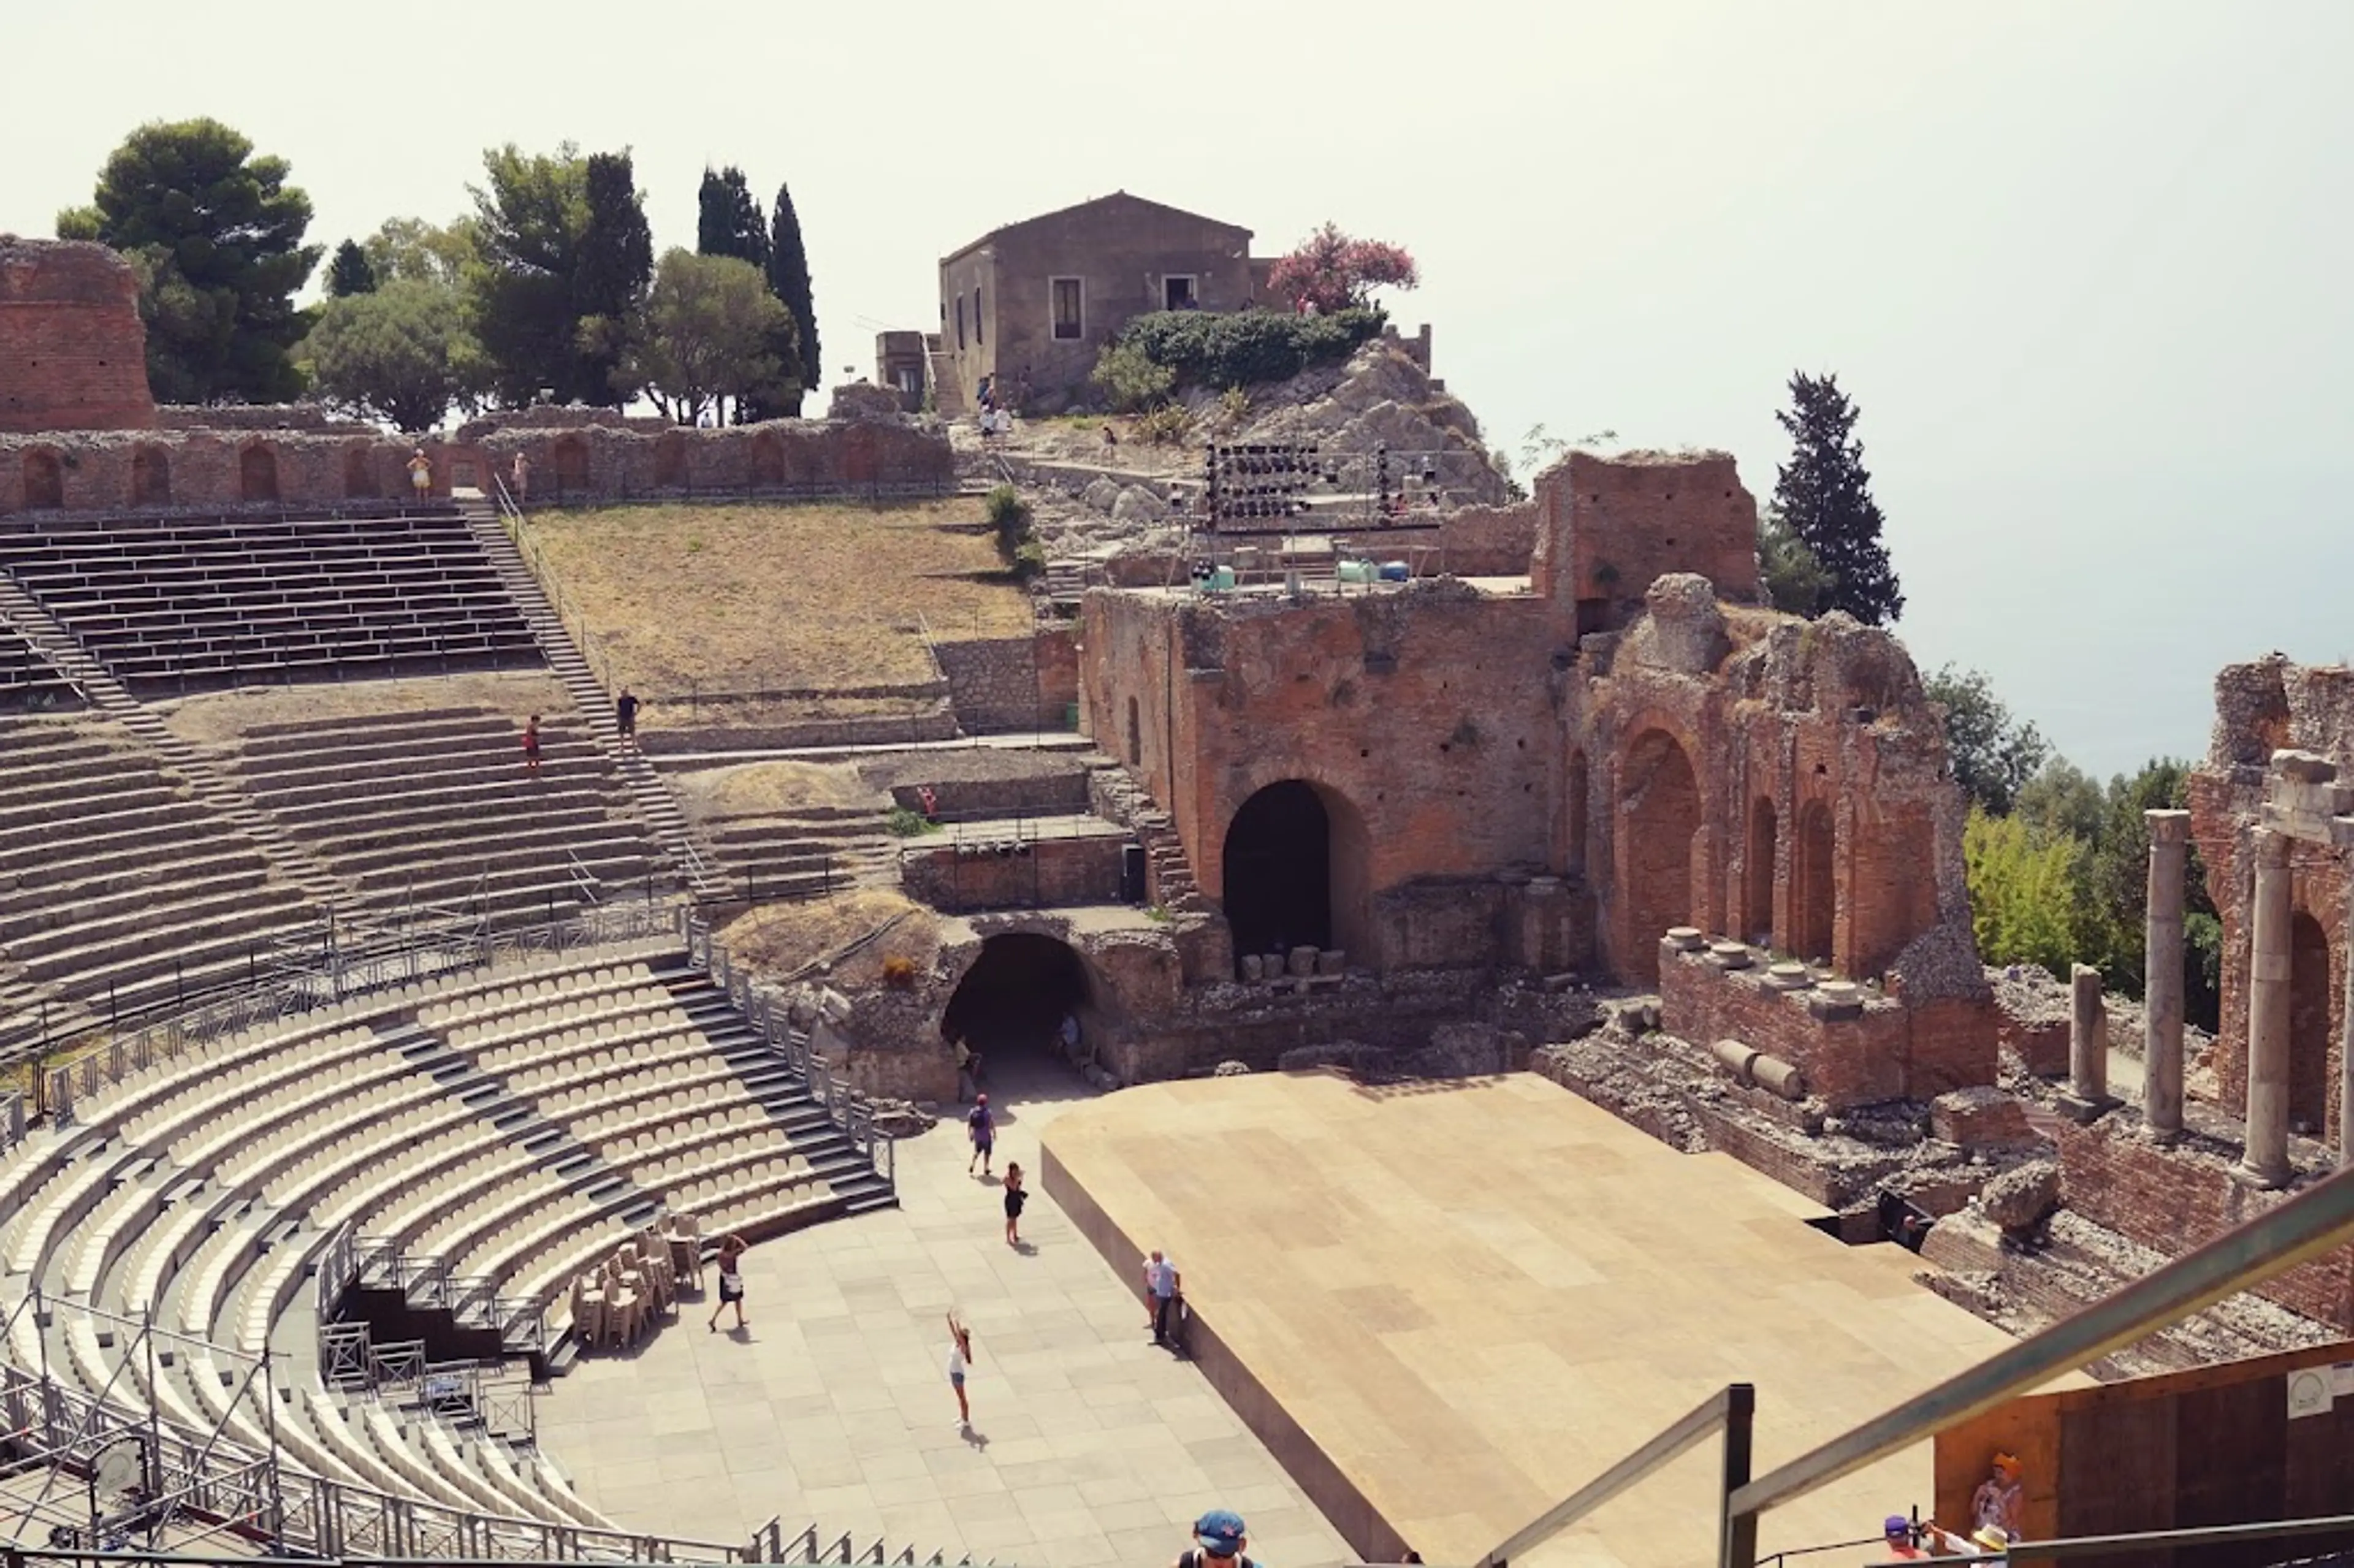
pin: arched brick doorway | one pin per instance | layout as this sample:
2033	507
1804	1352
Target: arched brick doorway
1814	900
45	481
1012	1001
151	477
1296	871
2310	993
257	474
670	460
769	460
570	457
1757	874
1660	803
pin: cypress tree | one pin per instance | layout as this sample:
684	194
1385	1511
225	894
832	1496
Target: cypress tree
1824	496
789	279
728	221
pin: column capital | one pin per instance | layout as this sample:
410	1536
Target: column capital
2272	849
2168	826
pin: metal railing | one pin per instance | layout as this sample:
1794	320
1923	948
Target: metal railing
58	1086
568	615
2314	1222
769	1018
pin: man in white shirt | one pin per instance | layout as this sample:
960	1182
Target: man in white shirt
1162	1286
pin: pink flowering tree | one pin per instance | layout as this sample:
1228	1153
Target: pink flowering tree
1331	271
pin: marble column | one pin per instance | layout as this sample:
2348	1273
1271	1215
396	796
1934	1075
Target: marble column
2346	1043
2161	1040
2088	1036
2266	1162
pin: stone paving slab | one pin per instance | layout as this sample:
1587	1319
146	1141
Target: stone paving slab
1089	1447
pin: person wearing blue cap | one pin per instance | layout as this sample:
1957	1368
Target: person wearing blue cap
1218	1542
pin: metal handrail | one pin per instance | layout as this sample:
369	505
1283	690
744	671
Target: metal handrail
2314	1222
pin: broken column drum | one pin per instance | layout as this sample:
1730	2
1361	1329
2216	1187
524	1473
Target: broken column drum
2088	1036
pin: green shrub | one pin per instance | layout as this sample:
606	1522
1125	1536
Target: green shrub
1203	348
1166	425
1009	522
1131	381
1029	560
908	824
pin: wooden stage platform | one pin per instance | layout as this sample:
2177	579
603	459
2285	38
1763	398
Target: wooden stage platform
1446	1306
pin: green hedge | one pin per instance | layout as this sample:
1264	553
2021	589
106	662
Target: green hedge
1246	347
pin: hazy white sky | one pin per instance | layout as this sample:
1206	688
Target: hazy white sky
2084	267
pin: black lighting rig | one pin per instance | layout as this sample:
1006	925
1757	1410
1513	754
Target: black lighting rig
1260	485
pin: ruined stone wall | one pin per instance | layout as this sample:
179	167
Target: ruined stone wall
73	353
1039	874
1608	527
1776	780
2173	1199
1424	719
2261	707
215	467
1012	684
1882	1049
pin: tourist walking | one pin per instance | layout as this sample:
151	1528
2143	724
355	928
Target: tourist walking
1162	1289
625	716
1015	1198
1218	1542
959	1359
981	1126
521	481
420	474
731	1280
531	746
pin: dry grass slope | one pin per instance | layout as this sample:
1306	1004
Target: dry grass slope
785	598
778	939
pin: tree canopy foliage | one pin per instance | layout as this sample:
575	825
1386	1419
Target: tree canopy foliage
215	235
1795	582
1993	754
1332	272
1202	349
350	272
728	221
400	351
564	257
706	338
1824	495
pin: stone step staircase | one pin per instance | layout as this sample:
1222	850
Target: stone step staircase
947	392
802	851
657	802
1118	797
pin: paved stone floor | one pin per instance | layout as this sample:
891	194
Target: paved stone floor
1089	1445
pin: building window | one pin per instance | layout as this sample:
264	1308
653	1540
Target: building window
1070	308
959	323
976	313
1177	292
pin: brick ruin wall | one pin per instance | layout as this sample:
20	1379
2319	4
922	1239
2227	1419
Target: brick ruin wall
1690	762
73	353
2263	708
299	463
1039	874
2171	1198
1606	528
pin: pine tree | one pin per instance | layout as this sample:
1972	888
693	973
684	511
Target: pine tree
788	279
1825	495
351	272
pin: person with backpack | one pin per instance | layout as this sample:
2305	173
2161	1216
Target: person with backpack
981	1126
1218	1542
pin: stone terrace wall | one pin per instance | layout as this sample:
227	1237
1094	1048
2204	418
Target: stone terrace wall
1044	873
73	354
211	467
1005	684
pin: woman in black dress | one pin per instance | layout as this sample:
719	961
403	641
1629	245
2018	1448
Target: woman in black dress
1015	1198
731	1280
